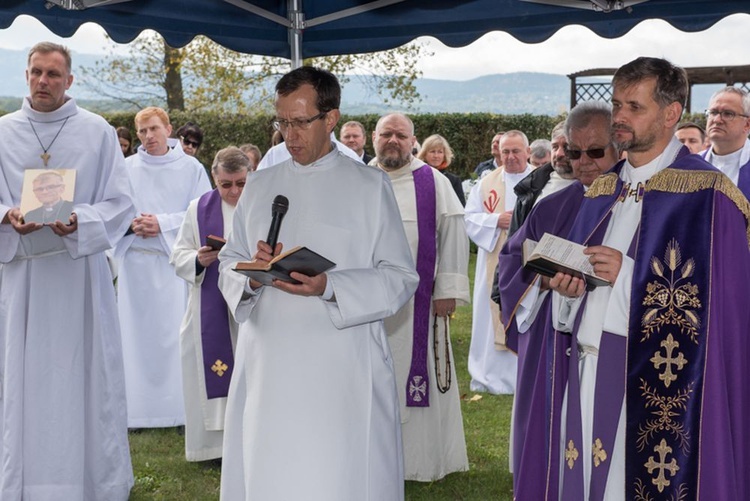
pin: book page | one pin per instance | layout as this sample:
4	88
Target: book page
564	252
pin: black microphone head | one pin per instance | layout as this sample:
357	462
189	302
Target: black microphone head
280	205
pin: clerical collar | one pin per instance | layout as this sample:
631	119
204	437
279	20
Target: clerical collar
635	178
68	109
323	161
174	152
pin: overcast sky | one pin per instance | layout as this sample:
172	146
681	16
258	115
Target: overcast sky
571	49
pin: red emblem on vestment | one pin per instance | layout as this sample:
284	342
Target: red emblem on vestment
491	202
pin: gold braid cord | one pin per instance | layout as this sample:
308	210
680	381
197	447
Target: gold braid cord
603	185
680	181
687	181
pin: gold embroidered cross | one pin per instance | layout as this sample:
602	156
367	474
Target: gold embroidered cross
669	345
600	455
661	481
571	454
219	367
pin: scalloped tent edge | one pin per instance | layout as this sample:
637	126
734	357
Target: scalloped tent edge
271	28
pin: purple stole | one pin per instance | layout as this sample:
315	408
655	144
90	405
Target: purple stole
417	384
659	368
218	358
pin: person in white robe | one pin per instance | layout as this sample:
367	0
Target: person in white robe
312	411
727	125
433	435
63	425
151	298
488	214
192	258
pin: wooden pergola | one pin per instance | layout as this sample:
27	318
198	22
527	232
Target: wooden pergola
598	90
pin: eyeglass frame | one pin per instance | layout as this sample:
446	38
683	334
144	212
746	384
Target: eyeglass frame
231	184
194	144
297	123
588	153
726	115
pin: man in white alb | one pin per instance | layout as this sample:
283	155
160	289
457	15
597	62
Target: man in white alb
151	298
488	215
312	411
63	424
209	332
419	333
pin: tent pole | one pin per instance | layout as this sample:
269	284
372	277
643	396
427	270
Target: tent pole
296	25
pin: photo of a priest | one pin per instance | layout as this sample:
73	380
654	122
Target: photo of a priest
49	187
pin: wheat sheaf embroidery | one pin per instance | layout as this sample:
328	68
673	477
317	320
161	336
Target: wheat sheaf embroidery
671	299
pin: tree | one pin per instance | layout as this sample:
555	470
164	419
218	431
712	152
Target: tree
205	76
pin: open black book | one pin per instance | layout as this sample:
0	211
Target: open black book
299	259
555	254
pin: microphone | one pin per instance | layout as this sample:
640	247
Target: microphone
278	209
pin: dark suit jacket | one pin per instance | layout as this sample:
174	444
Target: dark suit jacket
483	166
366	158
60	210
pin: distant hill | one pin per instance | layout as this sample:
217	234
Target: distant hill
511	93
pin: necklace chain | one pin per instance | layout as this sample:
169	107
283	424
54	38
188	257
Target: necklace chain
46	156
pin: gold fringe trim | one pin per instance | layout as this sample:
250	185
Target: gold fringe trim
602	186
690	181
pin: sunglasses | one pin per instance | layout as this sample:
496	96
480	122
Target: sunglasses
194	144
593	153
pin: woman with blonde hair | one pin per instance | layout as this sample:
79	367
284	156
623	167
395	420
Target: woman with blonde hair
437	153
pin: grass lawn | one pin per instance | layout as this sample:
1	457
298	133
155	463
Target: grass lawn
161	472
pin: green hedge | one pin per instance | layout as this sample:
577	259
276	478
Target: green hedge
469	135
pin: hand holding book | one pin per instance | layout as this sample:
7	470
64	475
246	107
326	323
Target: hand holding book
554	254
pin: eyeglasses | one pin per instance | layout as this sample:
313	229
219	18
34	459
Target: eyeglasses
194	144
51	187
593	153
726	115
299	123
227	185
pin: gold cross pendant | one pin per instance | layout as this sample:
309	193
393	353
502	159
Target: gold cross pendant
45	158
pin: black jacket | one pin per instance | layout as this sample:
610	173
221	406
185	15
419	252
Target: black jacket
483	166
528	190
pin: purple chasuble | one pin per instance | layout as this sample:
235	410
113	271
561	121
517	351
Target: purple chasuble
685	372
218	358
542	352
417	384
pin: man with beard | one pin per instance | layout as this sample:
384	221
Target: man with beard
487	216
431	422
728	124
525	304
655	389
549	178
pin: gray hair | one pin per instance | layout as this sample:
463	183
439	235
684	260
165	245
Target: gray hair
540	148
558	130
232	160
744	97
517	133
582	114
